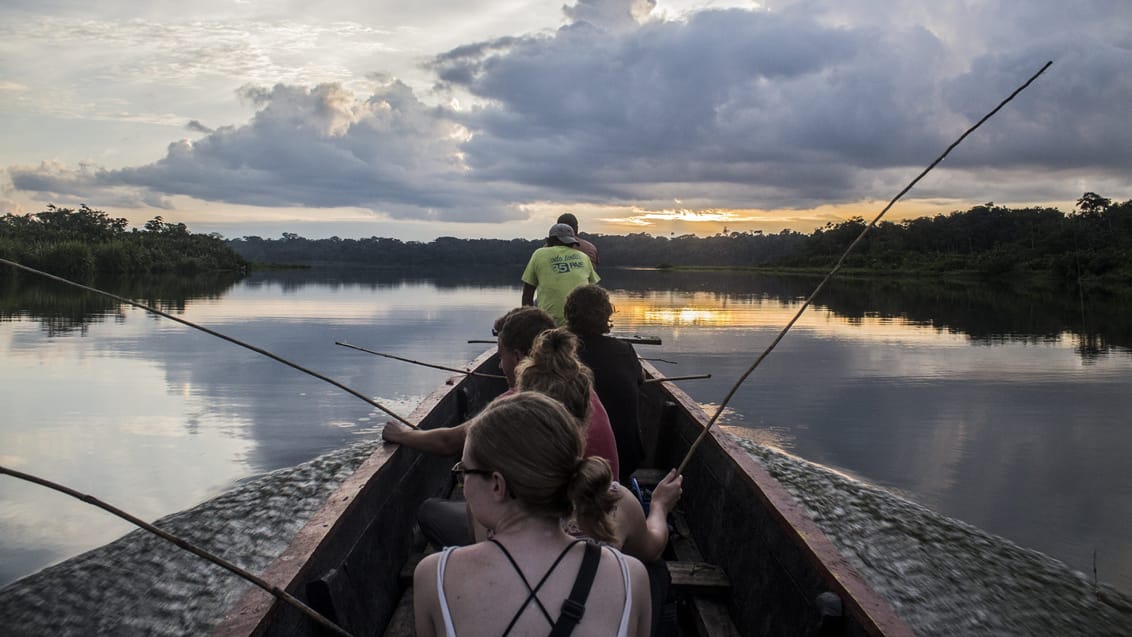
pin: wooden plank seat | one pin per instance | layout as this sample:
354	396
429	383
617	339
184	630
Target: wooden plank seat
697	578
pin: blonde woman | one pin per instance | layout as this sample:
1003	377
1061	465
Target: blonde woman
523	472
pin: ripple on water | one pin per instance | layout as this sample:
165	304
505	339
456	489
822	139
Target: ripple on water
141	584
945	577
942	576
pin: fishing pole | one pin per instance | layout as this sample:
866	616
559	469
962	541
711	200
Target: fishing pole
840	261
665	379
632	340
258	350
469	372
192	548
422	364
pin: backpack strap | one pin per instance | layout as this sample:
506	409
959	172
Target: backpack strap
575	605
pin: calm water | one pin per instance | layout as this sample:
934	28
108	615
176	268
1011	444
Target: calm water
1007	412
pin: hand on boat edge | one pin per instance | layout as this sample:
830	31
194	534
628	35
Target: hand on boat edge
393	432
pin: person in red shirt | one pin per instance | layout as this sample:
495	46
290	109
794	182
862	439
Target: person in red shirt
589	249
552	367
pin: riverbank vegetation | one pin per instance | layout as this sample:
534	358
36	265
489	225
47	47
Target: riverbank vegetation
83	242
1093	242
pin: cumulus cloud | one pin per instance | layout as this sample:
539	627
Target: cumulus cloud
313	147
815	103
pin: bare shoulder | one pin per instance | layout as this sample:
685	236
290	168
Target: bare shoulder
425	572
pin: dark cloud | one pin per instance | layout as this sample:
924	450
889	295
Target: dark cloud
804	106
197	127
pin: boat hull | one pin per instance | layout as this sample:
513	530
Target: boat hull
353	549
348	561
776	558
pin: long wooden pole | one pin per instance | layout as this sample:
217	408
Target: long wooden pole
422	364
837	266
666	379
192	548
258	350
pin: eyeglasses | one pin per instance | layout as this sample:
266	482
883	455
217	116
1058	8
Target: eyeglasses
459	470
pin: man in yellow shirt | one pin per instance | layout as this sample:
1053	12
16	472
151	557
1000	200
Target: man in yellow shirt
554	270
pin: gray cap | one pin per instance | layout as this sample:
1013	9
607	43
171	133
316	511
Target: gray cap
563	233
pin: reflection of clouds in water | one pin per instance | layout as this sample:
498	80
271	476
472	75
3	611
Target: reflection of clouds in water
1018	438
141	584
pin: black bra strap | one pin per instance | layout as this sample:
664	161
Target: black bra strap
532	592
575	605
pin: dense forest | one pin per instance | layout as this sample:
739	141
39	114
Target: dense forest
83	242
1093	241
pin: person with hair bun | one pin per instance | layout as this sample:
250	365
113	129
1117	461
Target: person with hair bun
518	330
443	521
523	472
552	367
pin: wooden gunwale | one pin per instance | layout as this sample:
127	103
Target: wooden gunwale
867	612
329	538
775	557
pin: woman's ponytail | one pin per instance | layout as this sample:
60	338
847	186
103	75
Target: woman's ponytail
592	498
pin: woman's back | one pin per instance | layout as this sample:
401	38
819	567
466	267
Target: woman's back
523	471
484	591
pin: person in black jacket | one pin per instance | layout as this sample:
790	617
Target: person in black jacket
617	372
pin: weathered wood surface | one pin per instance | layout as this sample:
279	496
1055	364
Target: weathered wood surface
365	530
771	561
742	519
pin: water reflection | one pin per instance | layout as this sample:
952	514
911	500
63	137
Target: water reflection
1006	409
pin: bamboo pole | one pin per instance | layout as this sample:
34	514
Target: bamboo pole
192	548
840	261
666	379
422	364
258	350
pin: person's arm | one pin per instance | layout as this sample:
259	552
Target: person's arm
641	537
664	498
528	294
446	441
425	600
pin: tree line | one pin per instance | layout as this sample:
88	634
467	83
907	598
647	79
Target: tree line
1092	241
83	242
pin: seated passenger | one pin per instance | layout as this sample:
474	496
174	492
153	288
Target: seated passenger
552	368
444	522
523	472
616	370
517	332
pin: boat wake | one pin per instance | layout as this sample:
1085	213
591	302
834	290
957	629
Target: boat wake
942	576
141	584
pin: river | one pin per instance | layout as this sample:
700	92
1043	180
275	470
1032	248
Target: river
933	418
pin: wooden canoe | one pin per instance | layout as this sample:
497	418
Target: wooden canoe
744	558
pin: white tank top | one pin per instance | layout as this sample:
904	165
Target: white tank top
450	630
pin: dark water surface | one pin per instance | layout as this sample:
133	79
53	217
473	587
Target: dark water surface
955	407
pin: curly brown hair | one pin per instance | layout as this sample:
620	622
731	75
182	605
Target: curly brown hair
588	310
518	328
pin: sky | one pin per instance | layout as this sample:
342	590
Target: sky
479	118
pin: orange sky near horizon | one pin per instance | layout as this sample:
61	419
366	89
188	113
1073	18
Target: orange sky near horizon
234	221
